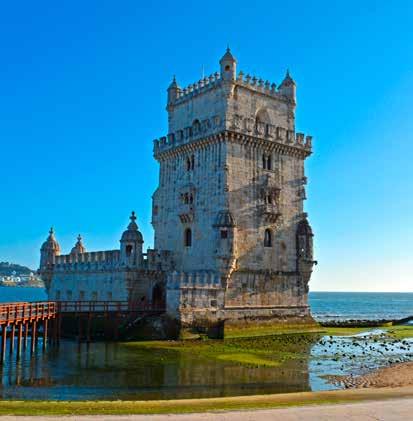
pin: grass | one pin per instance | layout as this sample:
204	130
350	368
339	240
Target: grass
180	406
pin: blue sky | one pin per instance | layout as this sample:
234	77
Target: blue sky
83	91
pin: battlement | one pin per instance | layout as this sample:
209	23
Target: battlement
197	88
239	124
88	260
194	280
214	80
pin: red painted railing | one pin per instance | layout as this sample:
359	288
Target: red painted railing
22	312
106	306
19	312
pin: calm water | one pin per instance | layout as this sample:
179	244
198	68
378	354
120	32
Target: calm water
361	305
121	371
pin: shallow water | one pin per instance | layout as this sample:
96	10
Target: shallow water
122	371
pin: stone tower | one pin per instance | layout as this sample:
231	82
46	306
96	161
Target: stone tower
48	252
229	206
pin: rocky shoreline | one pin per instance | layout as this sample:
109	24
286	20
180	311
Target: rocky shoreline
355	323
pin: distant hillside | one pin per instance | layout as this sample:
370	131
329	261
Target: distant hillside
7	269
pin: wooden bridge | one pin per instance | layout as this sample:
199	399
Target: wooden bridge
26	318
19	321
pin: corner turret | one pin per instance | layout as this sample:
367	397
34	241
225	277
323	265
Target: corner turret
79	248
49	250
131	245
173	92
288	87
228	65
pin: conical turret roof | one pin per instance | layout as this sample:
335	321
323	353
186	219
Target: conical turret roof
228	57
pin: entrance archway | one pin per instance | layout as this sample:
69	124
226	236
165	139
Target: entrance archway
158	296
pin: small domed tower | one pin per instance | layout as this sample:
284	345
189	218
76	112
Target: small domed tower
49	250
228	65
131	245
288	87
79	248
173	93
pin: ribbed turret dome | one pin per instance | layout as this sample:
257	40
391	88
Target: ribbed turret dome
51	244
132	233
79	248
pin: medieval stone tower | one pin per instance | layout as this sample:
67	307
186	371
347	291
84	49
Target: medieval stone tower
229	206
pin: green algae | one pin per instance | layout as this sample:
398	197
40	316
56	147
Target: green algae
400	332
263	351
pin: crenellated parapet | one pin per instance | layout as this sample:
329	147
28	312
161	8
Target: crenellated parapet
251	82
95	260
261	86
239	124
194	89
194	280
198	130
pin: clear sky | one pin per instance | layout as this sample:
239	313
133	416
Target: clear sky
83	91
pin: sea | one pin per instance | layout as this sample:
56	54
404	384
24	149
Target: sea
325	306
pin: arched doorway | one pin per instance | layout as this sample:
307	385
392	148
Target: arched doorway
158	296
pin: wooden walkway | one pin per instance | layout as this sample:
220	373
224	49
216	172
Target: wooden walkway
21	321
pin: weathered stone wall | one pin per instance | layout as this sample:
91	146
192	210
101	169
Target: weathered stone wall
172	215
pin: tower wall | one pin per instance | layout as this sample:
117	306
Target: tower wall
249	164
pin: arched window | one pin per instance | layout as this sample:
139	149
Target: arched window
269	162
129	249
188	164
267	238
188	237
192	162
264	162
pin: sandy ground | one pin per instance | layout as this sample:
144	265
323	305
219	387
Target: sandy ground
395	409
397	375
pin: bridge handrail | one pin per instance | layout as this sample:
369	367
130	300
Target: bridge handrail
22	311
80	306
25	311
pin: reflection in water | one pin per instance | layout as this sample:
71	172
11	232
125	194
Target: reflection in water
117	371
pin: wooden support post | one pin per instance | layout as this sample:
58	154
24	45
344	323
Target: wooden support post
26	334
37	325
19	340
116	328
52	331
59	328
3	343
89	322
45	333
80	328
12	335
34	334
